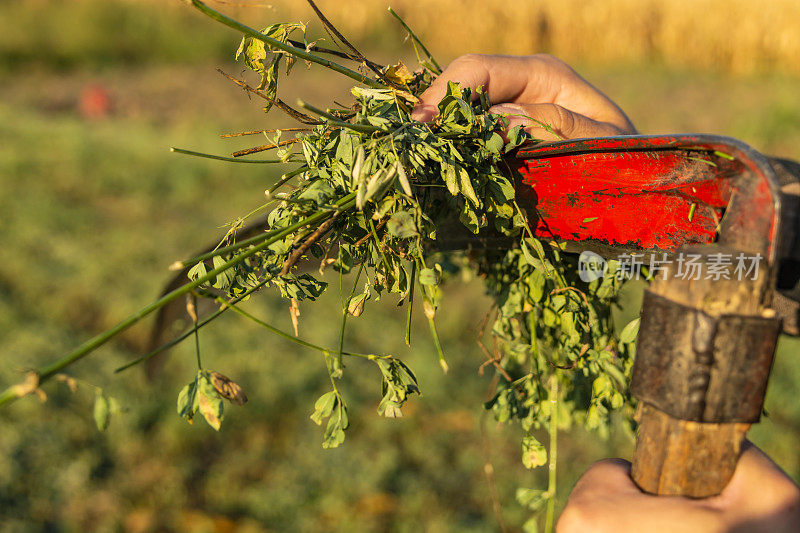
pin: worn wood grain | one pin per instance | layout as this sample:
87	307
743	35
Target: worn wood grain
681	457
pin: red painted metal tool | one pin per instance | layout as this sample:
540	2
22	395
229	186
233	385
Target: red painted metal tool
654	193
705	348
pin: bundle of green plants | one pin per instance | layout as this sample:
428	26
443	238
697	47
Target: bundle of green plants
365	202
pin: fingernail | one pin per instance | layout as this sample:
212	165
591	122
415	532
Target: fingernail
505	109
423	113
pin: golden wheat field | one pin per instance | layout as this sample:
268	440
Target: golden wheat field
740	36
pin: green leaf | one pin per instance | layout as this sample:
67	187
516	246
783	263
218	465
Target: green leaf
428	276
536	285
334	364
516	137
334	434
323	407
601	386
356	304
201	396
616	374
531	259
320	191
533	452
212	410
630	331
184	399
501	188
344	149
454	89
197	271
188	401
531	525
466	186
401	225
337	423
616	400
590	219
300	287
469	217
357	172
102	413
495	144
533	499
568	324
536	244
225	278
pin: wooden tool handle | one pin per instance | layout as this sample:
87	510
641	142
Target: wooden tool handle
682	457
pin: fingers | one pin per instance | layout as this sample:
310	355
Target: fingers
469	71
530	80
777	493
504	77
760	497
605	499
550	122
606	477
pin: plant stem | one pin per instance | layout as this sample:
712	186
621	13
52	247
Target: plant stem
286	177
288	336
258	238
438	345
410	302
274	43
336	34
223	158
9	395
345	305
558	277
265	147
432	325
196	331
214	315
257	132
416	39
277	102
334	121
378	246
551	464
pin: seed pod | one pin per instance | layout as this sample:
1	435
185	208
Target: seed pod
373	185
358	165
361	192
403	178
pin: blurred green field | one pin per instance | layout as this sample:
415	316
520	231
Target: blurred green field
93	211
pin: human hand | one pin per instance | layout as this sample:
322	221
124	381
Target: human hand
532	90
759	498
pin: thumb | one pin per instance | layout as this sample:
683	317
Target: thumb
552	122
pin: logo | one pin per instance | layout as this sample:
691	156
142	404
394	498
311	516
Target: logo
591	266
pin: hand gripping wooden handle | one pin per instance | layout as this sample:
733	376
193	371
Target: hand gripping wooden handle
704	353
683	458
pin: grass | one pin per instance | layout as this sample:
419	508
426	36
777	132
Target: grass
94	211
